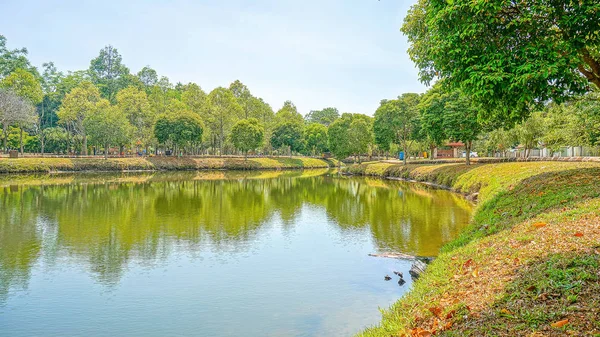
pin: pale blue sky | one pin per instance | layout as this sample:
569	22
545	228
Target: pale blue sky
317	53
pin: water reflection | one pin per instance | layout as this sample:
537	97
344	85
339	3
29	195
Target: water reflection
106	221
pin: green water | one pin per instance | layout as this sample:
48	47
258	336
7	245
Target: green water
210	254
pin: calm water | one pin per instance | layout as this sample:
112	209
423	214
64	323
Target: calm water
210	254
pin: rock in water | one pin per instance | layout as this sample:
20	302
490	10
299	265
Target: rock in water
401	282
387	277
417	269
399	273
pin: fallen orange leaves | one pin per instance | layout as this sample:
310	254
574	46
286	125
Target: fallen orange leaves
418	332
539	224
578	234
560	324
437	311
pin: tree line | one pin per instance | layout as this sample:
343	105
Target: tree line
496	82
108	107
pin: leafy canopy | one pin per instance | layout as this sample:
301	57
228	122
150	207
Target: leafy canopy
508	55
247	134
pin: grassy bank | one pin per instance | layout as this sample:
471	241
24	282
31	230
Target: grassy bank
528	264
37	165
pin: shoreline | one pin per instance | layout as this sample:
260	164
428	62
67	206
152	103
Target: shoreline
156	164
534	222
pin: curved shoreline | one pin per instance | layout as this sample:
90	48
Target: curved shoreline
150	164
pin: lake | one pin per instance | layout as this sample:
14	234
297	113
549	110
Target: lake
278	253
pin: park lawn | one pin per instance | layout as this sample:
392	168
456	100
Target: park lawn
45	165
527	265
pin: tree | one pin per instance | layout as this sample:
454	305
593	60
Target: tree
223	111
133	104
397	121
14	110
24	84
11	60
76	106
460	120
432	108
180	129
27	86
288	134
108	73
187	129
501	140
195	98
315	136
530	131
246	135
288	113
243	97
361	136
148	76
107	126
325	116
265	115
508	55
57	139
339	137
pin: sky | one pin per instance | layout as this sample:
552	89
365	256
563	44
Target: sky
348	54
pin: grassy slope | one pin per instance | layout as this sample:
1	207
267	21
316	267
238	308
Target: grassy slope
31	165
529	258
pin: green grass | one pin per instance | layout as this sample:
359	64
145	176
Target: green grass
45	165
512	196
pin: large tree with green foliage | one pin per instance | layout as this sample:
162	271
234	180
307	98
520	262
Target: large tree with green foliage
339	137
508	55
325	116
361	135
24	84
223	111
181	129
288	134
397	121
13	59
288	113
247	135
107	126
77	106
432	109
108	72
133	104
315	136
460	120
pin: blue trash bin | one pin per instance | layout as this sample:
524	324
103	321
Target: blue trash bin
401	155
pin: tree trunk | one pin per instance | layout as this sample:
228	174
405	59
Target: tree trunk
405	149
84	150
468	152
42	140
21	140
5	140
106	151
246	155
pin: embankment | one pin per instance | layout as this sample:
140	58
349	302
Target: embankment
527	265
46	165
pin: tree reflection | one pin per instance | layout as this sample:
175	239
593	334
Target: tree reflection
107	221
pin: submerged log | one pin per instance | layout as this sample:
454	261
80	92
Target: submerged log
402	256
395	256
417	269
